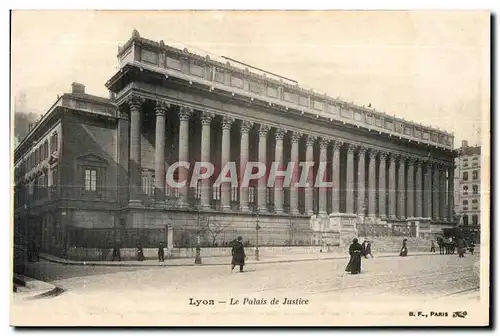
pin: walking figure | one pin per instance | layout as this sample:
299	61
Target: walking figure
471	248
161	253
355	250
238	253
140	252
404	249
433	247
461	247
363	248
116	253
368	249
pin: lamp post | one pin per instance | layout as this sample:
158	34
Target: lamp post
257	228
197	259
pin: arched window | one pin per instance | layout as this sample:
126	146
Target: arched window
475	219
465	220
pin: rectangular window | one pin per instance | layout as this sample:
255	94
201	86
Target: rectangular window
465	176
475	189
466	202
90	180
475	174
466	190
475	219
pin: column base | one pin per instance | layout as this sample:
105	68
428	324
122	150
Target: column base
244	208
294	212
279	211
310	213
160	204
135	204
206	206
262	211
226	207
322	213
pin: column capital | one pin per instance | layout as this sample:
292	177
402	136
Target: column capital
135	102
411	160
311	139
280	133
263	130
337	145
122	113
206	117
246	126
296	136
383	155
323	143
373	153
227	122
351	148
361	150
185	113
161	107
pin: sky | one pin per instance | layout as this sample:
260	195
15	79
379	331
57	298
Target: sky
429	67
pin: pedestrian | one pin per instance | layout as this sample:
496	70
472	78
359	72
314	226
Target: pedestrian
461	247
140	252
368	250
238	253
363	248
433	247
161	253
404	249
116	253
355	251
471	248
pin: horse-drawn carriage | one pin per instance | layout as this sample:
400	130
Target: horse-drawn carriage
449	240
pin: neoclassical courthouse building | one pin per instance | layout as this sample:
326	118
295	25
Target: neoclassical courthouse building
92	170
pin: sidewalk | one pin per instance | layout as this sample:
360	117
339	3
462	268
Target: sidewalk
34	289
220	261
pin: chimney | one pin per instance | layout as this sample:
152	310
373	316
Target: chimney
465	143
77	88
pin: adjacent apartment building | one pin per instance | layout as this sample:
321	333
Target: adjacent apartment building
468	185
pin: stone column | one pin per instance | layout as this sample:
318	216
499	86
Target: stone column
428	190
401	188
161	109
372	186
336	176
418	188
278	158
245	128
206	185
361	180
309	194
262	183
294	157
451	186
443	214
184	115
410	190
323	145
225	157
382	190
435	191
349	197
392	186
135	104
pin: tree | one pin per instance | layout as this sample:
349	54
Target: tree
214	229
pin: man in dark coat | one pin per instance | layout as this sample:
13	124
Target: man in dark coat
140	252
238	253
161	253
404	249
355	250
471	248
116	253
433	246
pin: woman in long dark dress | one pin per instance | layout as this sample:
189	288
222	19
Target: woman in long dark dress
356	251
238	253
404	249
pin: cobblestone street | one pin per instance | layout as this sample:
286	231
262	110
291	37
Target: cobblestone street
163	295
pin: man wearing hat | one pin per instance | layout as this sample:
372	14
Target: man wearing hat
238	253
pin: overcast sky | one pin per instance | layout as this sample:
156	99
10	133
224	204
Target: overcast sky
428	67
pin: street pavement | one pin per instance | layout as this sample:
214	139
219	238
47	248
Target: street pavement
101	295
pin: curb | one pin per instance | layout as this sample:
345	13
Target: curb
48	294
22	281
90	263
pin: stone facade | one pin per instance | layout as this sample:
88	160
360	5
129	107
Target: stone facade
170	106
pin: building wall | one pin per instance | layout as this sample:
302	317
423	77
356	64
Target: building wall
468	163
